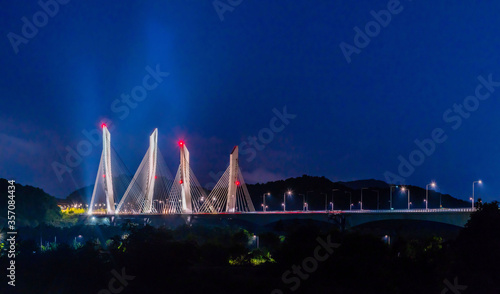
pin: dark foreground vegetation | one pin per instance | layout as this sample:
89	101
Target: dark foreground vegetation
299	259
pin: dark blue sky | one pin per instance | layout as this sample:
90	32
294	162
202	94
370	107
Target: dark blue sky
353	120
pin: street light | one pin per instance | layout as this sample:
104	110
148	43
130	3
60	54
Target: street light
256	238
264	201
404	189
388	239
79	236
479	182
390	200
427	194
378	198
361	203
350	199
307	196
284	198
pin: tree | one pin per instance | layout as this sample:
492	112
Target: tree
476	255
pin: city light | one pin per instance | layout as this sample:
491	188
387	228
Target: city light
433	185
473	196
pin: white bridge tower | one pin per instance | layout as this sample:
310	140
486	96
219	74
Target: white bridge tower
104	179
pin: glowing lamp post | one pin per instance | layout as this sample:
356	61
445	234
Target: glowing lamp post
433	185
264	201
479	182
404	189
390	193
284	199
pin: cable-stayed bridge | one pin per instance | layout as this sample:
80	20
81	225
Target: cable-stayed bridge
153	189
154	192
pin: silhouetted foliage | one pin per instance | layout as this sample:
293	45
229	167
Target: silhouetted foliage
33	205
476	250
224	259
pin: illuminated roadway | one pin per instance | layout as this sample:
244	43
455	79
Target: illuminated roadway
351	218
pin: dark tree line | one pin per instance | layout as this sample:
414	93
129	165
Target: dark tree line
216	259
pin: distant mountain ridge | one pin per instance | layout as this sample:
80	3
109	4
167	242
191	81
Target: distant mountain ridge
319	192
355	185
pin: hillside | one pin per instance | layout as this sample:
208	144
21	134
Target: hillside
356	185
315	189
33	205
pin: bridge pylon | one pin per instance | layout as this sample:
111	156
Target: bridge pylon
148	191
185	179
152	157
111	180
230	194
233	180
186	195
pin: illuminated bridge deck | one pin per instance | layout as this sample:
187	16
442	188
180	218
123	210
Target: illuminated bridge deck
457	217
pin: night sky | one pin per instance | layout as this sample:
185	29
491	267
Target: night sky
228	78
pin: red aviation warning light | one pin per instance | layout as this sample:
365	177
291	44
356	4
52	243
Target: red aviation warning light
180	182
103	126
181	143
103	176
156	177
237	183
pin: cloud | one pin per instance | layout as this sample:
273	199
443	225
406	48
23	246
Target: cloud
27	153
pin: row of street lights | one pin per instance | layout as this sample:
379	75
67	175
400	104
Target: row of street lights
332	203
